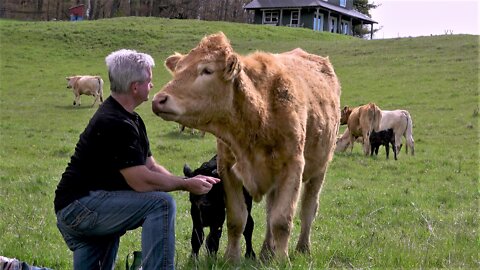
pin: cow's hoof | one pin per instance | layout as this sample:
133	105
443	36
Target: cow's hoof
303	248
267	253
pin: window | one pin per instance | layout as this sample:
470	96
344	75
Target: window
343	3
270	17
294	20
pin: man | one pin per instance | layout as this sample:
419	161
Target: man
113	184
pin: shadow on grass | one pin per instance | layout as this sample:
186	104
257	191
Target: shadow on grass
72	108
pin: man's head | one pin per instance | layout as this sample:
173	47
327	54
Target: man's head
127	67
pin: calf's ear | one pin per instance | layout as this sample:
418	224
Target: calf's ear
232	68
172	60
187	171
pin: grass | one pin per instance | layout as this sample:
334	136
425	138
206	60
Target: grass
418	212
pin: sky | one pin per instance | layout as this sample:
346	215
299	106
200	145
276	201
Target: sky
412	18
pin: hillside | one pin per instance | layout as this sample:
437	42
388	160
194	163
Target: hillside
417	212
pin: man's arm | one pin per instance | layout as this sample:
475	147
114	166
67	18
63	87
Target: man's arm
154	166
153	177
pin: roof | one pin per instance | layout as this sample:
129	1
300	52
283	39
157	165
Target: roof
262	4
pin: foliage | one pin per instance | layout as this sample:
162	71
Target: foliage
364	7
418	212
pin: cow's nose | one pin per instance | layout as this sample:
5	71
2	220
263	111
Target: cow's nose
160	98
158	101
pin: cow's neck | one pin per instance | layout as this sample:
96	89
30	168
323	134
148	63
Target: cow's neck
243	130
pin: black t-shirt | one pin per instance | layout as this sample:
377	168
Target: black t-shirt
114	139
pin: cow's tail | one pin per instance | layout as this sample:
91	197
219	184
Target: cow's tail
409	133
100	88
375	116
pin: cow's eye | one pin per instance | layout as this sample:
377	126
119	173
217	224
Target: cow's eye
206	71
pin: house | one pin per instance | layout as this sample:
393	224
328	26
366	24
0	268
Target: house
336	16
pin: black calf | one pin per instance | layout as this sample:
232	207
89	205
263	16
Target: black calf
208	210
384	137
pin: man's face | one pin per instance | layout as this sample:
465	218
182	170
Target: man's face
143	88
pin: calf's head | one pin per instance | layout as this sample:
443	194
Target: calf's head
202	83
71	81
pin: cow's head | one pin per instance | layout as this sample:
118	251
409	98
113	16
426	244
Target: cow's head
71	81
346	111
202	84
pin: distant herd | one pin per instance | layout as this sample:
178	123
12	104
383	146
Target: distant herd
276	129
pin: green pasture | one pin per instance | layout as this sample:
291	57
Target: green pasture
415	213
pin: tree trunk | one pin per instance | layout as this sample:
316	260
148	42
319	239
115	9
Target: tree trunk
115	7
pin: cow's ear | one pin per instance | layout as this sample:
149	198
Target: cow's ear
68	78
172	60
232	67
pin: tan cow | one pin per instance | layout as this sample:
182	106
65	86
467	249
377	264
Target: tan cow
86	85
360	122
275	116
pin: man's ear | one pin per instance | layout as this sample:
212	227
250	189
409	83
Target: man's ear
172	60
232	68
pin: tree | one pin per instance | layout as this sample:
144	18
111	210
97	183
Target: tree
363	7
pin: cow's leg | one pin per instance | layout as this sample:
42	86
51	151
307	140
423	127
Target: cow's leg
236	217
77	100
366	143
352	140
398	142
95	100
311	192
284	205
394	150
267	251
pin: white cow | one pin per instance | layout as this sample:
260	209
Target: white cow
86	85
401	123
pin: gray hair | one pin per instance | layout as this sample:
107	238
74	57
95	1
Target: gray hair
126	67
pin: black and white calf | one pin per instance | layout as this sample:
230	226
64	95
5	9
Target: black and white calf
208	210
383	137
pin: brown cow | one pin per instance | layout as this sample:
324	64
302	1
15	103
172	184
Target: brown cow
360	121
86	85
275	116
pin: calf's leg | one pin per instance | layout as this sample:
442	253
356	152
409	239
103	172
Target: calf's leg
248	232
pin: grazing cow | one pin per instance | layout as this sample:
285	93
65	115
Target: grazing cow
275	116
208	210
401	123
383	137
86	85
361	121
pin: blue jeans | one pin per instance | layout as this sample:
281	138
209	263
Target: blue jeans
92	227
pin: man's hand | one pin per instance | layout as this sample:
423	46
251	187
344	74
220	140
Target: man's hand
200	184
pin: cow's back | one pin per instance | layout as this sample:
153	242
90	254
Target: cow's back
89	85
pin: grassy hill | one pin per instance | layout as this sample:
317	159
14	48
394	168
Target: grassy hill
418	212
